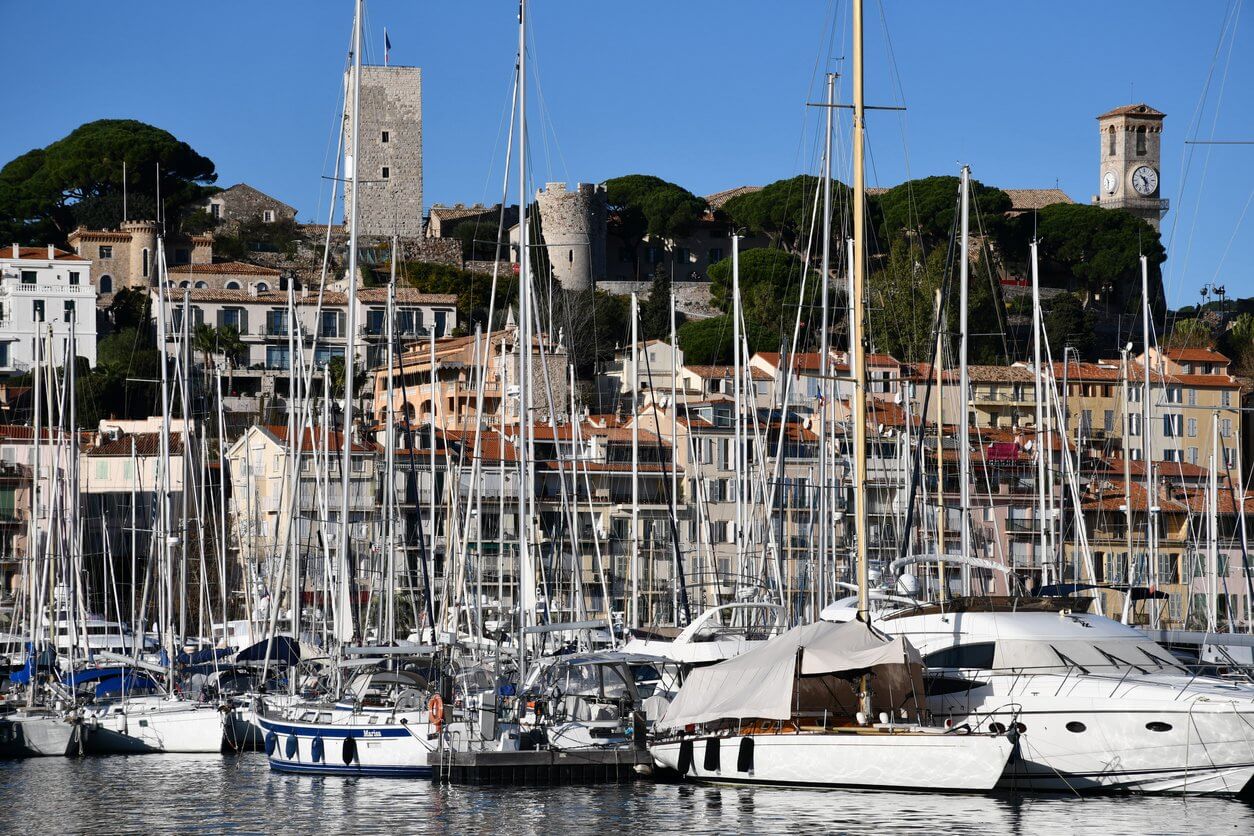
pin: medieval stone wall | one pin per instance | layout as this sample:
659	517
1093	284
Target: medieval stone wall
389	155
574	224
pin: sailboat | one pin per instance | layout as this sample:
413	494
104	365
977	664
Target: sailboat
388	715
801	708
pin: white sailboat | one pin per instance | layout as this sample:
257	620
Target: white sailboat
800	709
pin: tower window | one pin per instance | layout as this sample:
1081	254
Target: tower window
386	172
145	265
106	251
106	284
1111	133
383	137
1140	141
268	216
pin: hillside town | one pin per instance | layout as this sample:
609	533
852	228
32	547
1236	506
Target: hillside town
458	490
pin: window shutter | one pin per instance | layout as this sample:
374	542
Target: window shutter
243	320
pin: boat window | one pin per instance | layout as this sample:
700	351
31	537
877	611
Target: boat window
1117	662
978	655
1158	727
1158	660
1076	726
1067	661
614	686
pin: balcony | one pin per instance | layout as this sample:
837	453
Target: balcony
1014	526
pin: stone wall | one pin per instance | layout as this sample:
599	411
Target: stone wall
691	298
574	225
391	139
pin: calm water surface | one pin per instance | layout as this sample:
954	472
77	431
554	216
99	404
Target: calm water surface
203	793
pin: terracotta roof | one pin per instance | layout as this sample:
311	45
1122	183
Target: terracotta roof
405	296
717	199
224	268
1141	109
312	439
40	254
712	372
1025	200
1195	355
146	445
801	361
1136	467
1000	374
452	213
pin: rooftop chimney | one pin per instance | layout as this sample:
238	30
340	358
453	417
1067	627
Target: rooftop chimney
52	252
17	251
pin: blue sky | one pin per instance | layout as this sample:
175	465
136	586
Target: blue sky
708	93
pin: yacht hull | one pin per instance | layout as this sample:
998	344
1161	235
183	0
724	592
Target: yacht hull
159	726
26	736
877	760
386	748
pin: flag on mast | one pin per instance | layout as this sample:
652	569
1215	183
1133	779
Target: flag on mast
387	47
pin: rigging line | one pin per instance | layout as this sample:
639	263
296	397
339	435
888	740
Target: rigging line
1235	229
1186	152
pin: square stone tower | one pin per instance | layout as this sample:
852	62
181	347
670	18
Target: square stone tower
1131	156
389	164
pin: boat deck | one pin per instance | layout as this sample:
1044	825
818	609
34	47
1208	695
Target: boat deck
543	767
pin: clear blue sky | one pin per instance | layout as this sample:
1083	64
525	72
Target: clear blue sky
708	93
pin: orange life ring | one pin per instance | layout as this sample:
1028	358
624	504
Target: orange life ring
435	711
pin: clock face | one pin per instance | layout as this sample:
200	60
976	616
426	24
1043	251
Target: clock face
1145	180
1109	181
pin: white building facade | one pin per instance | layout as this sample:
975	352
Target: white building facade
45	288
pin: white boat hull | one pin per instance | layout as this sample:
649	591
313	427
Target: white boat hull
349	744
40	735
159	725
867	760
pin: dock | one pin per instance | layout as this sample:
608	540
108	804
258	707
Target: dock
541	767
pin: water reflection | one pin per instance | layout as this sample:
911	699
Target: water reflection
191	793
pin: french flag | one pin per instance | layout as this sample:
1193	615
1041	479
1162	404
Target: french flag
387	47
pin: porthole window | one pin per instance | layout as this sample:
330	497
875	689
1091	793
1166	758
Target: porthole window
997	728
1157	726
1077	727
1019	727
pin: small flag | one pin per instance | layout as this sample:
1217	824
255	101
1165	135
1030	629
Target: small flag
387	47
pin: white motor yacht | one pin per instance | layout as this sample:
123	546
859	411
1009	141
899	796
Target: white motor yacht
1099	706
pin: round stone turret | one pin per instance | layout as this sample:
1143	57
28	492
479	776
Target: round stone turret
574	232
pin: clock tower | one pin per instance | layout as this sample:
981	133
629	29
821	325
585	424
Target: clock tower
1131	151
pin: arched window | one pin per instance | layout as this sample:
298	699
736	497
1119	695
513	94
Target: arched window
1110	151
145	265
106	284
1140	141
232	285
262	287
201	285
185	284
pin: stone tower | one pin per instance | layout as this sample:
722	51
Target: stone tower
389	163
574	232
141	254
1131	155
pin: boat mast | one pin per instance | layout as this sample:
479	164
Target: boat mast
346	621
635	462
859	347
1127	485
824	370
1043	450
1146	448
389	492
941	570
1212	551
526	572
964	387
737	423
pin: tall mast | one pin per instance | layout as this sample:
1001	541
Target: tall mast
858	352
1038	384
1127	484
1212	518
346	621
964	388
737	423
389	441
163	527
526	571
1147	449
635	462
941	571
824	513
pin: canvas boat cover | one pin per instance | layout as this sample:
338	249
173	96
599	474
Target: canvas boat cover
761	684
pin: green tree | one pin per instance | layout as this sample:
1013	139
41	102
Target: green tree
1190	333
48	191
770	287
127	363
927	209
590	324
473	290
129	309
901	313
1095	252
643	205
782	210
655	312
1238	344
1068	323
709	341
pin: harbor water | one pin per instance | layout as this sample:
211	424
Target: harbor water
239	794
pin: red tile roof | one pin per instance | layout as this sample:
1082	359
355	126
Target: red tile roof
40	254
224	268
1195	355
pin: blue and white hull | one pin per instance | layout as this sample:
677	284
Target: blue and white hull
349	743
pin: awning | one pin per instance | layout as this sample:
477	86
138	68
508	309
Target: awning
759	684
